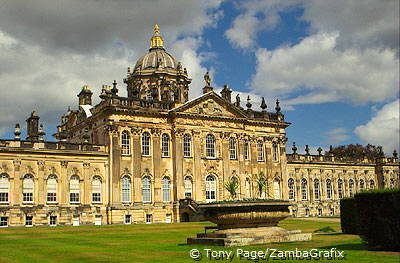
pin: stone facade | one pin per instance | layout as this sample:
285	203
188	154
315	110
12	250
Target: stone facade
132	159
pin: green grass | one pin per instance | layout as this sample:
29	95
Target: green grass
159	243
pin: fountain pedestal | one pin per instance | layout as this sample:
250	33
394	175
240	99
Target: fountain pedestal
246	223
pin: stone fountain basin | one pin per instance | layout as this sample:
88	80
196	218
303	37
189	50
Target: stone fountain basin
232	215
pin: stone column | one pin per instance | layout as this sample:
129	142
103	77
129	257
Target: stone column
136	160
177	158
156	165
16	189
197	176
226	171
64	184
41	184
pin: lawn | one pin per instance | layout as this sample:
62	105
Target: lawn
160	243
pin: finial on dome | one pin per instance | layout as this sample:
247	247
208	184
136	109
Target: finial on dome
156	41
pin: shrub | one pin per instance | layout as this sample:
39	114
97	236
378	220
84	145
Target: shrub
349	216
379	218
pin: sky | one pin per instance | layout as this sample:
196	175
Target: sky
334	65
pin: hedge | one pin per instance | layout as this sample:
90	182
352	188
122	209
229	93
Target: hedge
375	216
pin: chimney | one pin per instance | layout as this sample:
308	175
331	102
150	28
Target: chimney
33	127
85	96
226	93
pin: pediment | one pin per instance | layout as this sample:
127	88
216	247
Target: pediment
211	104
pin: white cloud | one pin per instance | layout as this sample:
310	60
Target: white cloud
257	15
383	128
336	135
324	74
49	49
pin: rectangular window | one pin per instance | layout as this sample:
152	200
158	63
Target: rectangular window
168	218
275	153
51	197
96	197
128	219
75	221
27	197
3	221
97	220
232	148
74	198
319	212
3	197
165	145
29	221
246	150
260	151
307	212
53	220
149	219
187	146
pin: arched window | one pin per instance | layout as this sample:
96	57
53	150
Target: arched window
328	189
4	188
247	185
317	190
275	147
210	146
125	143
232	149
146	144
126	189
277	189
246	150
291	189
165	145
28	189
52	189
362	185
211	189
187	145
74	189
166	189
303	189
146	189
96	189
340	188
351	187
371	184
260	151
188	187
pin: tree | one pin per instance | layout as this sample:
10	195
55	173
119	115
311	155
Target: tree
357	151
232	187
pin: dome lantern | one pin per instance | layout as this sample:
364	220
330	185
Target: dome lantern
156	40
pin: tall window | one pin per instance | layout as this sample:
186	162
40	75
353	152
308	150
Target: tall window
277	189
28	187
362	185
317	190
96	189
275	154
187	145
4	188
188	187
291	189
210	146
232	149
260	151
246	150
125	143
126	189
166	189
52	189
340	188
247	185
146	189
74	189
351	187
303	189
371	184
165	145
211	189
328	189
146	144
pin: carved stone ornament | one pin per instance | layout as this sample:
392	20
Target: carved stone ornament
17	164
64	164
52	170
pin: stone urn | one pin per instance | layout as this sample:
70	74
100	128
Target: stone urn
246	214
241	223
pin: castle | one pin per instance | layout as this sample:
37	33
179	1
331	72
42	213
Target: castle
133	159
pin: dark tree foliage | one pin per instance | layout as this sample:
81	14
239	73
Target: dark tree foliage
357	151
